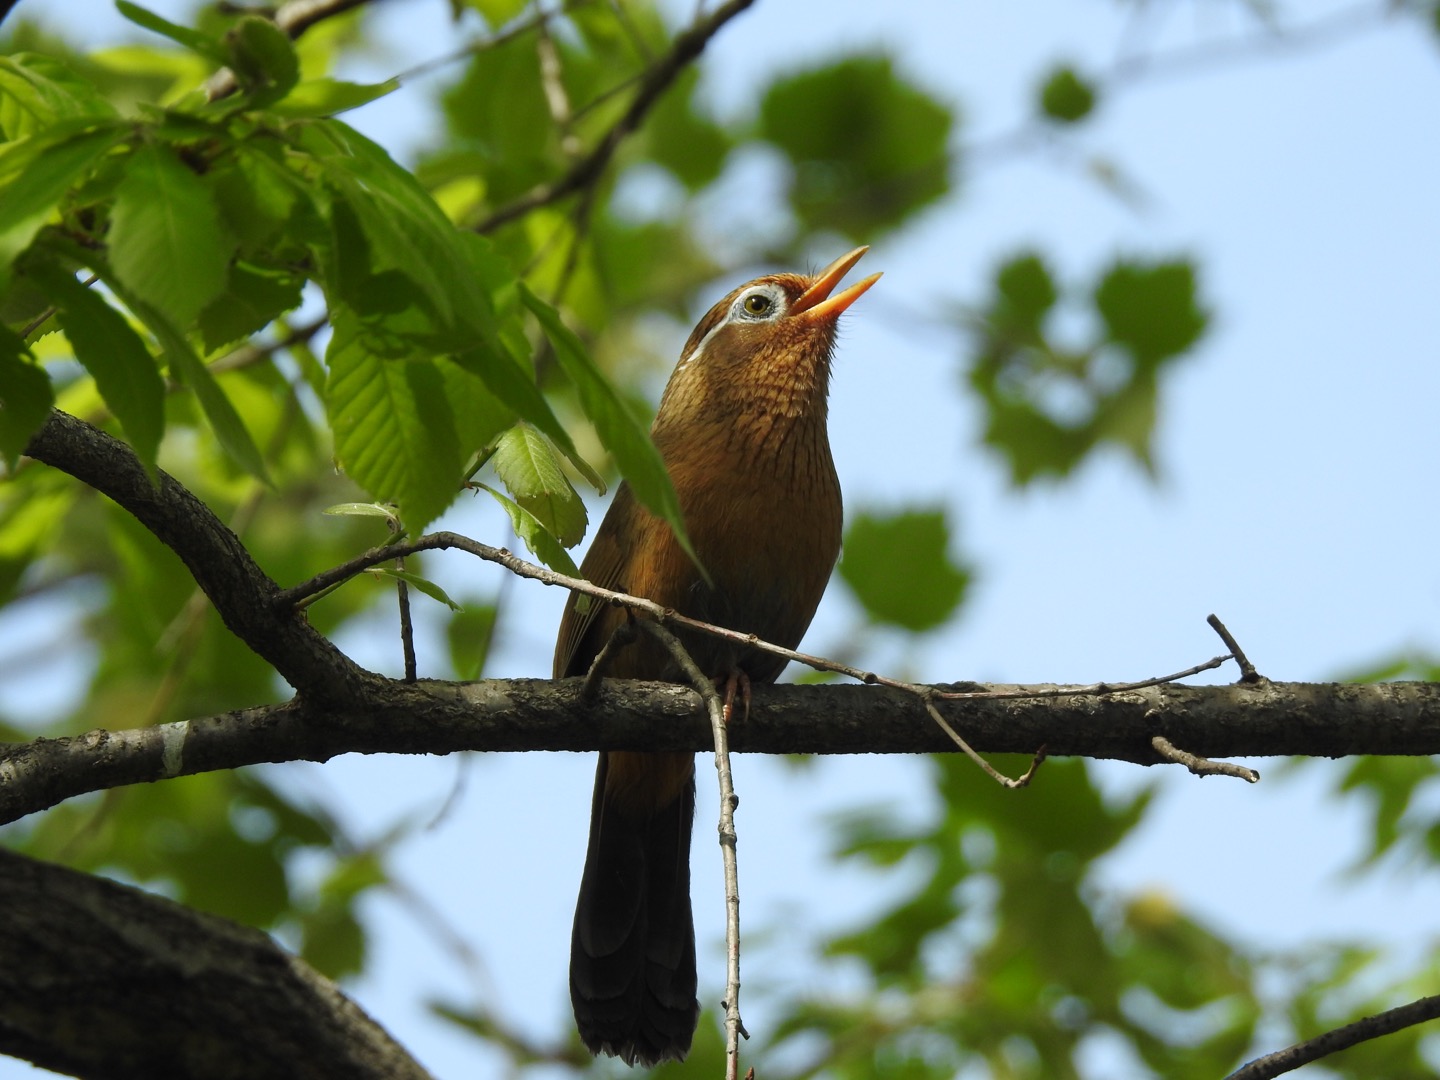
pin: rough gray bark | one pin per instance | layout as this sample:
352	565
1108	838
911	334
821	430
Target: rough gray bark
104	981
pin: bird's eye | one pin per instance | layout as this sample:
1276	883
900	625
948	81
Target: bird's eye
758	304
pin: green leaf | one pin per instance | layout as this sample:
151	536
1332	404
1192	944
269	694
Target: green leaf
254	298
124	371
394	433
899	568
869	149
527	464
167	243
537	538
49	168
1067	97
356	509
424	585
38	92
404	231
619	431
679	138
1026	293
1151	309
193	40
495	12
25	397
263	59
326	97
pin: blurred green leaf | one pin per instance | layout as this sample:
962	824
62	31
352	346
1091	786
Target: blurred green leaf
124	371
193	40
869	148
25	397
252	299
1151	308
424	585
900	569
326	97
263	59
1066	96
167	243
39	93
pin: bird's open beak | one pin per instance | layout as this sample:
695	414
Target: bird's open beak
816	303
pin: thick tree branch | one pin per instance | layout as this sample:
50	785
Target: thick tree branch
201	996
221	565
1292	719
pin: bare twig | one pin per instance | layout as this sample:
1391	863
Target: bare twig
623	635
1248	674
1201	766
715	707
1372	1027
540	19
687	46
989	770
407	628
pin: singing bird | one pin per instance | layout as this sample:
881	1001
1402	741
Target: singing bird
741	428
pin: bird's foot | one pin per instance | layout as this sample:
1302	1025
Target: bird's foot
736	680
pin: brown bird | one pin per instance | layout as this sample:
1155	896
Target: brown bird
741	428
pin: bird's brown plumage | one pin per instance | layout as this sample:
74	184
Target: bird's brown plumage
742	430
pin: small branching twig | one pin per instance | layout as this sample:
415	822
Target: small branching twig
989	770
1248	674
1201	766
1372	1027
705	687
624	634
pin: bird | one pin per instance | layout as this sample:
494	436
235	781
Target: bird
741	428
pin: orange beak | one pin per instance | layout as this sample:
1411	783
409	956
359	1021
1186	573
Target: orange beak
816	303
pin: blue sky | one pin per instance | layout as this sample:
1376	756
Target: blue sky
1296	491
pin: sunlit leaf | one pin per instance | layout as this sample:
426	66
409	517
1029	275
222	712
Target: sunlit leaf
25	397
537	537
527	464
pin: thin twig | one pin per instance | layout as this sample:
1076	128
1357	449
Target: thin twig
1372	1027
989	770
1248	674
686	47
1201	766
407	628
623	635
329	579
734	1026
541	18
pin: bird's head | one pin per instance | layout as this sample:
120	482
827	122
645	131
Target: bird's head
766	346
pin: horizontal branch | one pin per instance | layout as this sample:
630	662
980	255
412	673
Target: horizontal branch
1259	720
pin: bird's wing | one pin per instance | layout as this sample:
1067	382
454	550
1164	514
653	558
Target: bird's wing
605	565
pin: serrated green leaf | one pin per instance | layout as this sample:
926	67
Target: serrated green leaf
1151	309
263	59
36	182
327	97
167	244
124	371
25	397
404	231
622	434
537	538
193	40
869	149
424	585
527	464
900	569
394	433
1066	96
253	298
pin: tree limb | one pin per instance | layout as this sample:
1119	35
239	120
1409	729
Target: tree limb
429	717
201	996
1342	1038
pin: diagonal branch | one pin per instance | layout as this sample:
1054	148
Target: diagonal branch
222	566
656	80
1342	1038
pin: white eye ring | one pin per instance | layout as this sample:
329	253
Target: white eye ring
762	304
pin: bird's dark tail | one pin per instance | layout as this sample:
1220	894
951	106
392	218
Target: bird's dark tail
632	951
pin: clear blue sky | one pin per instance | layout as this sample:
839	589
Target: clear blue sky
1297	491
